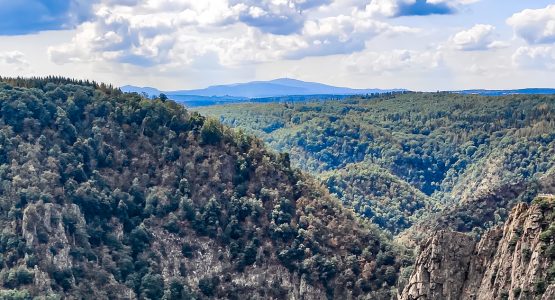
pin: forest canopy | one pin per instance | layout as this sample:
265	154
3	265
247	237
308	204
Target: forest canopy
104	194
432	150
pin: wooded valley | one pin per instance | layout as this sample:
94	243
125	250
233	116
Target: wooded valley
115	196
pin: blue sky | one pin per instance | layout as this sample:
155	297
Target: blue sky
29	16
177	44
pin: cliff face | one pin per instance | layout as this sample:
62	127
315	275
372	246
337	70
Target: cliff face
207	260
514	261
441	267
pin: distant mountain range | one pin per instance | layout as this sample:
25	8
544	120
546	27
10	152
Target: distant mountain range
529	91
286	89
274	89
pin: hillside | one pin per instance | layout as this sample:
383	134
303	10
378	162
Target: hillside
376	194
461	150
110	195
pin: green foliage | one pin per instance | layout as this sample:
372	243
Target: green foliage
551	273
374	193
209	285
539	287
139	239
208	220
62	277
15	295
398	158
172	224
178	291
211	132
548	234
24	276
526	254
101	191
187	250
152	286
16	277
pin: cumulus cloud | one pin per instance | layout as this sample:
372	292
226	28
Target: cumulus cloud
277	17
14	58
180	32
339	35
398	8
31	16
479	37
535	26
370	62
539	57
135	39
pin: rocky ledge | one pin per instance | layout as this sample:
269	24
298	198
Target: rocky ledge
513	261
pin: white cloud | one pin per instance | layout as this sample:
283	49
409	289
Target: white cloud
388	8
178	33
129	38
535	26
339	35
370	62
540	57
479	37
276	16
14	58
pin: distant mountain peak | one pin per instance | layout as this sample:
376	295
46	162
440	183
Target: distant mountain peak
286	80
261	89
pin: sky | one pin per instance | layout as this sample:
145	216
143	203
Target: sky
424	45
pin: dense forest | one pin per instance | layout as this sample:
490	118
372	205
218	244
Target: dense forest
112	195
395	205
398	158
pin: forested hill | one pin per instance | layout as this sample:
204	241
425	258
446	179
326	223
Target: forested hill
110	195
451	149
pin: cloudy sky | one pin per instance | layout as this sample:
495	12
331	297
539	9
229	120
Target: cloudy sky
178	44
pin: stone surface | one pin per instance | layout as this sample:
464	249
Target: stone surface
440	269
509	262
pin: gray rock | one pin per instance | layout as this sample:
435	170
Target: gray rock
509	262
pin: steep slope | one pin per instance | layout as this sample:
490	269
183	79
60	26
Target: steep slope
476	156
488	206
429	140
110	195
514	261
376	194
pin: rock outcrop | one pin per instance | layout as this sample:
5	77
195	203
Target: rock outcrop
515	261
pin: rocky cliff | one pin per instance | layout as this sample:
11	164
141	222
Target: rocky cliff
514	261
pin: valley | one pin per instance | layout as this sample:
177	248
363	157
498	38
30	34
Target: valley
277	150
463	159
115	195
112	195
